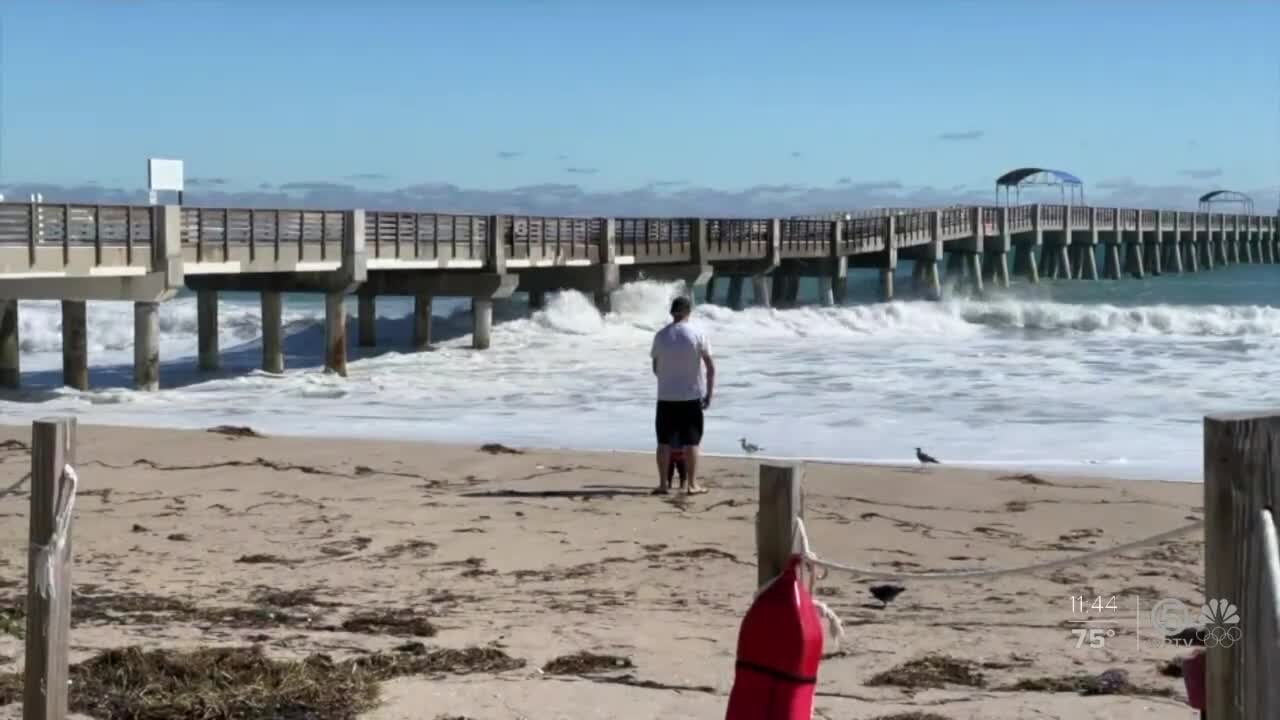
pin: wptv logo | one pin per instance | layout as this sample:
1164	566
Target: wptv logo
1215	624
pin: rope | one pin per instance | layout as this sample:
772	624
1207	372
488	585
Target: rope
48	555
812	559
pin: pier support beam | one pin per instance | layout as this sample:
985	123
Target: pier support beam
481	322
272	330
1112	242
146	345
888	268
760	286
604	301
367	317
75	345
10	369
1133	255
932	281
537	299
735	292
1174	256
1024	262
973	263
335	333
996	268
1086	261
422	319
840	280
207	330
826	291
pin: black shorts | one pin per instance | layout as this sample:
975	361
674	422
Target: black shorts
678	421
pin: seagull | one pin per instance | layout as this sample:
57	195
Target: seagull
925	458
886	593
749	448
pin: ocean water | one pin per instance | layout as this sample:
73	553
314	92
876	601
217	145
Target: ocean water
1109	378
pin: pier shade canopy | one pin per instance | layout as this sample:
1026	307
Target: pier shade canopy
1071	188
1226	197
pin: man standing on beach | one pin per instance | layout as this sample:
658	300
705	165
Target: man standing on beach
679	351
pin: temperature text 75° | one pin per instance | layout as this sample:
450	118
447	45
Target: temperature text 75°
1095	637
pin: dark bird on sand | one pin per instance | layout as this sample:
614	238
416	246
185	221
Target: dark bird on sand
886	593
925	457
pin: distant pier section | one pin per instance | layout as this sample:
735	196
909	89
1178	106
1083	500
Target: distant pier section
78	253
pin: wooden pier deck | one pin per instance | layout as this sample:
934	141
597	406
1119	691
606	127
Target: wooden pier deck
143	254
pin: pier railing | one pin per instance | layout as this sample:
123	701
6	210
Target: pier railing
277	240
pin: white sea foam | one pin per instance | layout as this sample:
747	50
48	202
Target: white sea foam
1098	387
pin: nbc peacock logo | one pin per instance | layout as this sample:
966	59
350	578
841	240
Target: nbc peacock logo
1221	622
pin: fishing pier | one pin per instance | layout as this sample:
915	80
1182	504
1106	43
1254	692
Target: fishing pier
145	254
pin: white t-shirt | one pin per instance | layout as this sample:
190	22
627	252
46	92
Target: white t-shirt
678	348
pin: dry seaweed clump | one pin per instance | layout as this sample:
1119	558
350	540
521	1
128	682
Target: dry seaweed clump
390	622
241	683
586	663
217	684
931	671
10	688
1108	682
12	622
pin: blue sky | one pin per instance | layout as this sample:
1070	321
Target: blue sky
606	97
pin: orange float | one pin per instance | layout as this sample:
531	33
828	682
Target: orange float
779	648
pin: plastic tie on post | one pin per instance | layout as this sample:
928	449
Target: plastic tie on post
48	555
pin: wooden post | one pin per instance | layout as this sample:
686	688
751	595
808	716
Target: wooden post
781	502
1241	479
48	618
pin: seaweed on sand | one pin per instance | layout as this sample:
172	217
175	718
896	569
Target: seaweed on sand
241	683
1108	682
586	663
931	671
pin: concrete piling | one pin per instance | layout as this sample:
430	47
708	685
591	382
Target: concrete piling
932	281
537	299
826	290
146	345
974	261
604	301
207	330
1024	262
75	344
760	286
335	333
734	300
367	317
481	322
422	320
272	331
10	369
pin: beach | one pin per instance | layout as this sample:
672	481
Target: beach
519	557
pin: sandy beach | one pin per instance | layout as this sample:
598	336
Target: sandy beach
519	559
